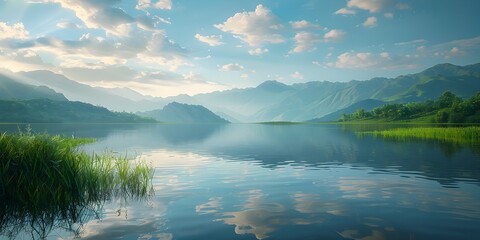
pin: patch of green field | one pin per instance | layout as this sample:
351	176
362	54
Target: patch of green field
464	135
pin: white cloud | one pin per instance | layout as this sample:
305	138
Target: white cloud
164	4
368	60
106	15
191	76
334	35
257	51
161	4
370	22
14	31
421	49
22	60
296	75
450	53
345	11
212	40
305	41
68	25
254	28
454	50
202	58
244	76
369	5
144	48
303	24
359	60
231	67
389	15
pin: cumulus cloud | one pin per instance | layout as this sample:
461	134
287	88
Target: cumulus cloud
368	60
14	31
254	28
148	48
257	51
105	15
370	22
161	4
231	67
296	75
303	24
345	11
369	5
360	60
212	40
334	35
305	41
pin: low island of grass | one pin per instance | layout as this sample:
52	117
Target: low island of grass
47	182
461	135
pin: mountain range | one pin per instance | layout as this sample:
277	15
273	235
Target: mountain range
275	101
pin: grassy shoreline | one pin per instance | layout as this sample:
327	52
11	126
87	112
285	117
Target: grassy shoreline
461	135
46	182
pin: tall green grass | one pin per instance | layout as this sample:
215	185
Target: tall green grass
46	182
461	135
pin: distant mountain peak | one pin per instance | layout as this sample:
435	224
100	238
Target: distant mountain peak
274	86
184	113
445	69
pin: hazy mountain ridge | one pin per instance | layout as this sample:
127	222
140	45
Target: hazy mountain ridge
275	101
13	90
120	99
366	105
311	100
183	113
51	111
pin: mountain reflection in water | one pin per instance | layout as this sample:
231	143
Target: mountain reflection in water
249	181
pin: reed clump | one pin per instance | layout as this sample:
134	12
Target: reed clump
461	135
46	182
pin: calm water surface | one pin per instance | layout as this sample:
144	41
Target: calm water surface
249	181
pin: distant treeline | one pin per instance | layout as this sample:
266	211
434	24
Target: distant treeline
448	108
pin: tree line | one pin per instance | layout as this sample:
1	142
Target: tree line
448	108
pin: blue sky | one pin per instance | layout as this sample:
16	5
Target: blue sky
170	47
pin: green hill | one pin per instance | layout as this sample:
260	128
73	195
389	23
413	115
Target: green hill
184	113
51	111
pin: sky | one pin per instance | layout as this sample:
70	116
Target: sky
169	47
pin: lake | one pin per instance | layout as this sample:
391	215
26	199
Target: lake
299	181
